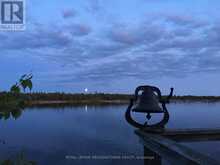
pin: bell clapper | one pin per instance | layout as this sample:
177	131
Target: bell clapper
146	123
148	116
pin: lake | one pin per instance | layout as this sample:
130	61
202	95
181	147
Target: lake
95	134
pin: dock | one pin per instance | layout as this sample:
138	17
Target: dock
190	135
164	144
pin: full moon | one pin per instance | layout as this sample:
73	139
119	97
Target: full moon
86	90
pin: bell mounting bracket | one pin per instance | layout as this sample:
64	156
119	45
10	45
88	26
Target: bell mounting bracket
162	100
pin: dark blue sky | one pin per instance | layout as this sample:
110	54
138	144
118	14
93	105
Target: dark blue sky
114	46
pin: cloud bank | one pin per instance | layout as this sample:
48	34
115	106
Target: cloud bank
158	45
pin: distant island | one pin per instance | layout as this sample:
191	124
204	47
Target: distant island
43	99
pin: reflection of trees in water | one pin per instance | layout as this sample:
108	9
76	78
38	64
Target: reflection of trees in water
5	115
13	113
19	159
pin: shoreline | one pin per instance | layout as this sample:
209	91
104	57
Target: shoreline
105	102
12	101
74	102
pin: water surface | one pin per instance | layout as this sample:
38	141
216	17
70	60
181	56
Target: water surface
49	135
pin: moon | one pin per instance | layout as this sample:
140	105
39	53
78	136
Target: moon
86	90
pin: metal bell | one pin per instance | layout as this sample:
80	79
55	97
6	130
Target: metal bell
147	102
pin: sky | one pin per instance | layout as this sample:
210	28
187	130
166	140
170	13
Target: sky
114	46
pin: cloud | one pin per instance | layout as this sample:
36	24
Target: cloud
44	37
146	51
185	20
94	6
172	46
136	35
182	32
69	13
78	29
35	40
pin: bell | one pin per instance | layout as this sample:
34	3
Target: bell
147	102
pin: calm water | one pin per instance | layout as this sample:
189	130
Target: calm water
48	135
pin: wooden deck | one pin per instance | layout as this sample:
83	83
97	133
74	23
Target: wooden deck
161	144
187	135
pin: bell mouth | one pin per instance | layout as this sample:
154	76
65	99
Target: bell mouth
147	110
